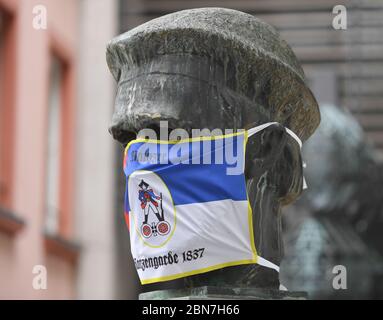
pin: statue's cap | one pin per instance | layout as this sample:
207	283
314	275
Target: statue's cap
143	184
254	58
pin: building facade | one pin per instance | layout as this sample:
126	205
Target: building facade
56	157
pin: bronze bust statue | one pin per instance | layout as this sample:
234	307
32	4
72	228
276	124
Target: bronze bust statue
220	68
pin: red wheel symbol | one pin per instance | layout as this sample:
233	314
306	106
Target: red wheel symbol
146	231
163	228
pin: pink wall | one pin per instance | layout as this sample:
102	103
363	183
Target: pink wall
21	251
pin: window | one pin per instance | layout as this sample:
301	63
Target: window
59	154
58	228
53	156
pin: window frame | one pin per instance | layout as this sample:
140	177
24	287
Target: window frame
7	101
65	229
10	223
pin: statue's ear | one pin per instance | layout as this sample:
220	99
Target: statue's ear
265	148
290	169
274	151
273	141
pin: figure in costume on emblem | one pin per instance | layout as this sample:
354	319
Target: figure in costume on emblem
149	202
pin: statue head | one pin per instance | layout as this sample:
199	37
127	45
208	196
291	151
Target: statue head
345	170
219	68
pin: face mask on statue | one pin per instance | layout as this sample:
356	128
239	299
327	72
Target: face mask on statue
187	207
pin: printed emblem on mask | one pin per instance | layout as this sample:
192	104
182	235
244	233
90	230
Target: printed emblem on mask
152	207
151	203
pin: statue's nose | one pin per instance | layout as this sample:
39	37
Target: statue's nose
120	133
123	131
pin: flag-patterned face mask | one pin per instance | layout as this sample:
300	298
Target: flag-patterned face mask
186	205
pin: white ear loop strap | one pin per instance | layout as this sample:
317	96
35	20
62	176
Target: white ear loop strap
261	127
262	261
256	129
268	264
